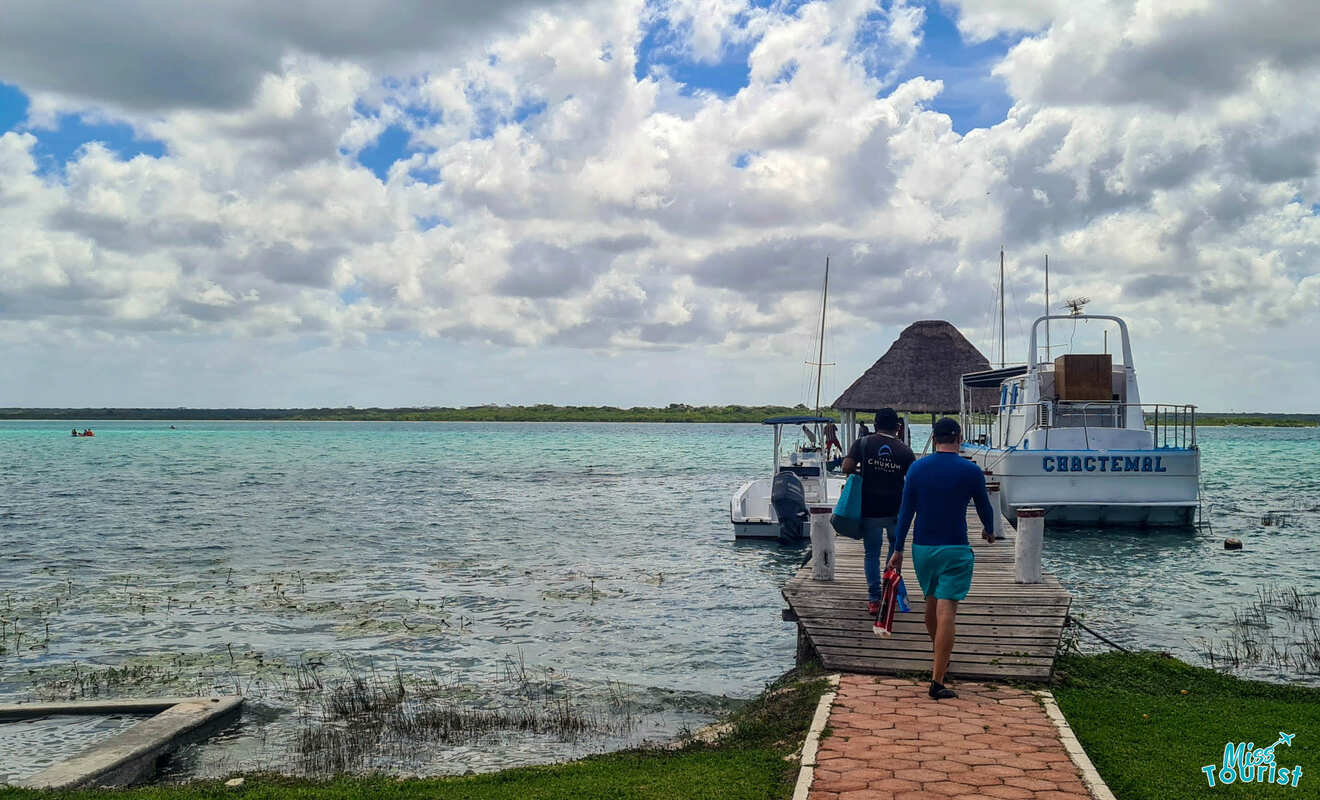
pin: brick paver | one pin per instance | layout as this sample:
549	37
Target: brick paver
889	741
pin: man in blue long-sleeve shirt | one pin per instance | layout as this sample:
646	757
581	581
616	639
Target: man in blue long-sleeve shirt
937	491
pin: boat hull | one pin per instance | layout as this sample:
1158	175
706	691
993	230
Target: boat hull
753	515
1097	488
766	531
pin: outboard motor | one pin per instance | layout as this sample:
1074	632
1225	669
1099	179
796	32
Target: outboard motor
790	503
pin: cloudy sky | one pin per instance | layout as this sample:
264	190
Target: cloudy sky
439	202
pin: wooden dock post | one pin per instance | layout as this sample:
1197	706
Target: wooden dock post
992	488
1029	544
822	546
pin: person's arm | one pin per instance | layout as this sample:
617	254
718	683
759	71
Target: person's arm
983	508
853	459
906	510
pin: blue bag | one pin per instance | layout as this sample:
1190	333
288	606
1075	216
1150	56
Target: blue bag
847	517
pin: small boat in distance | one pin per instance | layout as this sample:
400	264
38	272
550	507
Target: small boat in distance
752	507
1072	436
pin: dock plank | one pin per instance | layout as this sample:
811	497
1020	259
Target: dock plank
1006	630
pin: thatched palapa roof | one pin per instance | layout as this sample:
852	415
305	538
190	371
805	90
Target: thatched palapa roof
919	372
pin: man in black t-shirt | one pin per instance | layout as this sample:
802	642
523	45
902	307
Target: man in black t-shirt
883	461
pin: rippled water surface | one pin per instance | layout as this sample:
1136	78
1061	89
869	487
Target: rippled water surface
598	558
1175	590
29	746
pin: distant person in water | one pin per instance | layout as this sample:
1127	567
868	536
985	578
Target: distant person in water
75	432
883	462
936	493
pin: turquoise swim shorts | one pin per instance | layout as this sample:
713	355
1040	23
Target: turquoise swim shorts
944	571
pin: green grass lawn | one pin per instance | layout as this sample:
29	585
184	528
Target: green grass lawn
1149	739
747	764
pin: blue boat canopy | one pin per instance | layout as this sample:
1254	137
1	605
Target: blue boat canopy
795	420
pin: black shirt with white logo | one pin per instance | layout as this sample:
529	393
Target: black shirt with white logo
884	462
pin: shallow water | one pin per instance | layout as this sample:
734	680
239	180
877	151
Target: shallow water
222	556
218	556
29	746
1175	590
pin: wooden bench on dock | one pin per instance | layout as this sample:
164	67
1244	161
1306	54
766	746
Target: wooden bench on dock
1006	630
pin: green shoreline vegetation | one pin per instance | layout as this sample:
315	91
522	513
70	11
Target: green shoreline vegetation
1150	723
753	759
674	412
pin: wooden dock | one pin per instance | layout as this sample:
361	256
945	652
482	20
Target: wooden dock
1006	630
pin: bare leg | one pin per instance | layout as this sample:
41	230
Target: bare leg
947	610
932	624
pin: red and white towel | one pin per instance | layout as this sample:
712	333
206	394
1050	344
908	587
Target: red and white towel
884	621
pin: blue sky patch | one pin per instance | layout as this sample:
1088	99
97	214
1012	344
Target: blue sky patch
390	146
972	97
527	109
725	79
13	107
661	49
431	221
425	117
352	293
428	175
57	147
787	7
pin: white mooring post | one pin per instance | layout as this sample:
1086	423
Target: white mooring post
822	546
992	489
1030	542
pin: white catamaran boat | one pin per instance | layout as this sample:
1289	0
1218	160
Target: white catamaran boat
752	508
1073	437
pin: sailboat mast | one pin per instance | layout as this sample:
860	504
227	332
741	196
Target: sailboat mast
1001	308
820	356
1048	351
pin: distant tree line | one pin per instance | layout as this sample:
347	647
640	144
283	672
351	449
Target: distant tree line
674	412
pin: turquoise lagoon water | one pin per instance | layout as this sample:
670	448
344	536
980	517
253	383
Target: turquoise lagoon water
231	556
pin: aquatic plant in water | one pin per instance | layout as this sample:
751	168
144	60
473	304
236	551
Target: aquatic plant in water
370	718
1277	629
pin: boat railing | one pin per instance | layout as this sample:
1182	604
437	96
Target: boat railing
1171	426
1176	423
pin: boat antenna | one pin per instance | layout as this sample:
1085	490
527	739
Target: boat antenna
1047	306
1075	304
820	356
1001	307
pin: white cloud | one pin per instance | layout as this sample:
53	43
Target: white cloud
552	201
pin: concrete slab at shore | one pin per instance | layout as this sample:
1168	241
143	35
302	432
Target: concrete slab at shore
130	756
129	705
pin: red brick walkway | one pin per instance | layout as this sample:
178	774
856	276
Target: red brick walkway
888	740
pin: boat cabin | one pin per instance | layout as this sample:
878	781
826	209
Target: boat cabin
1081	401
